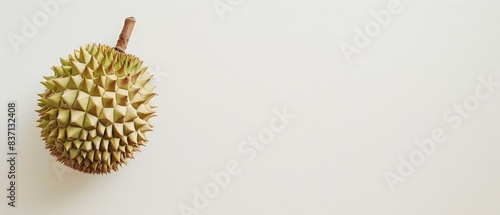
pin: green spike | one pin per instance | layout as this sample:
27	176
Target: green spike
77	67
122	97
79	159
97	91
68	70
96	142
58	71
94	106
81	104
115	156
67	145
86	86
88	73
84	56
108	102
119	113
131	114
110	84
90	122
77	144
86	146
73	153
93	63
114	144
77	118
74	82
120	73
132	138
106	116
55	99
50	85
61	135
128	128
90	155
100	81
105	156
123	83
69	97
64	62
61	83
94	49
117	129
63	118
100	71
104	145
73	133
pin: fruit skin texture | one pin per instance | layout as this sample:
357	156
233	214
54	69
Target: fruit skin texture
96	109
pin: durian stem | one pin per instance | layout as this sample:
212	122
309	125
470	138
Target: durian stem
122	42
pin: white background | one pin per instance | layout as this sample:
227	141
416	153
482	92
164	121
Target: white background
219	81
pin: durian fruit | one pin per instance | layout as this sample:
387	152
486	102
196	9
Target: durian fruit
95	112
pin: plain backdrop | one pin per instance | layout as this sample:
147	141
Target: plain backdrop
220	80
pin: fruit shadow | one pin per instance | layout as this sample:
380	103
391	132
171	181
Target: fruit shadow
53	186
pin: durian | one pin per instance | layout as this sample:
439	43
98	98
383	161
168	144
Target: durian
95	111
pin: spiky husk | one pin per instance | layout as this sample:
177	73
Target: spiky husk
96	109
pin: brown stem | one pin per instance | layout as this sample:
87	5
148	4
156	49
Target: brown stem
122	42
